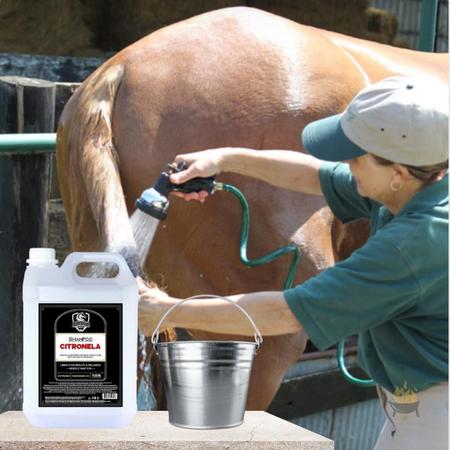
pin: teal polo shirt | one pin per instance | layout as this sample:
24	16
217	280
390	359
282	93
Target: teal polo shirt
393	291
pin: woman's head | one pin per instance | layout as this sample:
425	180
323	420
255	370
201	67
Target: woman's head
399	119
393	134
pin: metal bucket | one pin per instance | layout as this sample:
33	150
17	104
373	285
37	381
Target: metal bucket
206	382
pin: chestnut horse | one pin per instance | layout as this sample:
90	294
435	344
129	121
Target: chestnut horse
234	77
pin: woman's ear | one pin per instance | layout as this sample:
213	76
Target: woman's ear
401	173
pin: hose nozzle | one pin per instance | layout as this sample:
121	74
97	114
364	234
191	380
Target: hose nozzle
154	201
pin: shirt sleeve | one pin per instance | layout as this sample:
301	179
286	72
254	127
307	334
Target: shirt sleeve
374	285
339	188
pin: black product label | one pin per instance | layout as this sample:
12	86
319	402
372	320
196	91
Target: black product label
80	355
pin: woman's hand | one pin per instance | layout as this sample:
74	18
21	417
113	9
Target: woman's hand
200	164
153	304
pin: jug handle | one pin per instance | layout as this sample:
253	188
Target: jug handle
76	258
257	334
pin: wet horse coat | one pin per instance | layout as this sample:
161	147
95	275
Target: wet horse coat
234	77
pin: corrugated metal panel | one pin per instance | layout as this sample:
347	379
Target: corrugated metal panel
442	40
353	427
408	15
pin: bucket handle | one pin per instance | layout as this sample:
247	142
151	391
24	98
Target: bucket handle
257	334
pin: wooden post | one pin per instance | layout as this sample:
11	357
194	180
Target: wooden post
26	106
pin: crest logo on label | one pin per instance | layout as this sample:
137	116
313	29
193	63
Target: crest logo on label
80	320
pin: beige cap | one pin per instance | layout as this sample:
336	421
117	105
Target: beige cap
404	120
401	119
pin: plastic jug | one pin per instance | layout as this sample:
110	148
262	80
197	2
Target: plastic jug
79	342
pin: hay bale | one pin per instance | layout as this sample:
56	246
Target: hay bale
51	27
133	19
342	16
89	28
382	25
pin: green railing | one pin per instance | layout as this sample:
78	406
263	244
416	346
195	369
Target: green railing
428	23
21	143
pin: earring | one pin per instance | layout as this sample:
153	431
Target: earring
395	186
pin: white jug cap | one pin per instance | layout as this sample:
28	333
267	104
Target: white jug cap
42	256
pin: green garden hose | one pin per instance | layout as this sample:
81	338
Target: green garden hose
291	274
347	375
244	240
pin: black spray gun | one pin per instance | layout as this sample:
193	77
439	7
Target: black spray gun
155	200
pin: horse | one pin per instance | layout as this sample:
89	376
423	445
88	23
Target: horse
235	77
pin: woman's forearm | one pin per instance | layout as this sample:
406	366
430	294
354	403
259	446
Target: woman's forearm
283	168
268	310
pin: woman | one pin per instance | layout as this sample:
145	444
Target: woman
384	158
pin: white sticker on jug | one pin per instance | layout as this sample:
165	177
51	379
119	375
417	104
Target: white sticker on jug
85	347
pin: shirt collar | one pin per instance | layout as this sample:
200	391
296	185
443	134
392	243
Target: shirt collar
435	194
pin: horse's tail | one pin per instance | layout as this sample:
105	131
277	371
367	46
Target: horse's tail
87	160
89	178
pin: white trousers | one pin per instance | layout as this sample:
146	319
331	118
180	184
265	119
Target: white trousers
424	427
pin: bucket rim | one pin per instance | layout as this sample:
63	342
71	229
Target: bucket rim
207	342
